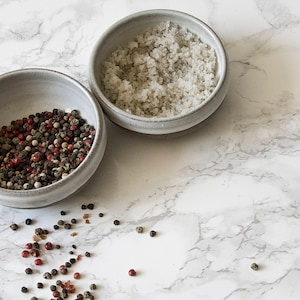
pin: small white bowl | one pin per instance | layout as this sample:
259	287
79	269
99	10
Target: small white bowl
29	91
124	31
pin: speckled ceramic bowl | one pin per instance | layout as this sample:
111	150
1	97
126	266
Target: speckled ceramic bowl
125	30
28	91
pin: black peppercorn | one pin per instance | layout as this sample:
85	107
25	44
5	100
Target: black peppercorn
28	221
116	222
152	233
90	206
73	221
83	206
28	271
40	285
101	215
55	227
24	289
62	212
72	260
87	254
52	287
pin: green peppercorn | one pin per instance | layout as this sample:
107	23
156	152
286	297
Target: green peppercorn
14	227
139	229
93	286
254	266
47	275
60	222
67	226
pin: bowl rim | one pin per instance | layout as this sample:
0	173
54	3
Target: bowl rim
107	104
100	137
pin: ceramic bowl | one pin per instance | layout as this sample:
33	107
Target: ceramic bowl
29	91
125	30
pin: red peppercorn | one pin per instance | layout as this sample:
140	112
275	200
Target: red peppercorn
48	246
38	262
56	294
70	288
28	246
35	252
25	253
16	161
70	147
132	272
76	275
73	127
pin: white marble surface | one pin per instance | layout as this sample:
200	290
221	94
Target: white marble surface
221	197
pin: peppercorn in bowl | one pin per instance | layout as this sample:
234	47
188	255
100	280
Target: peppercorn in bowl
159	72
52	138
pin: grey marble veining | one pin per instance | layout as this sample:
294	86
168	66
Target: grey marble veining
221	197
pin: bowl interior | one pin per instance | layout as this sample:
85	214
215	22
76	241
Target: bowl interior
126	29
30	91
33	91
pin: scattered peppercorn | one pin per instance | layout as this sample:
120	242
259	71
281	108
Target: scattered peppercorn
72	261
38	262
62	212
73	221
74	246
39	231
33	298
48	246
24	289
40	285
90	206
153	233
67	226
93	286
79	297
54	272
116	222
254	266
132	272
57	246
83	206
14	227
36	245
87	254
58	282
53	287
101	215
55	227
60	222
28	271
25	253
76	275
47	275
28	221
139	229
68	264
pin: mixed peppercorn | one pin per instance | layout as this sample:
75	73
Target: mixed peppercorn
39	247
41	149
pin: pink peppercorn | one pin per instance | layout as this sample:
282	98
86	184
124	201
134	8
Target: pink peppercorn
132	272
